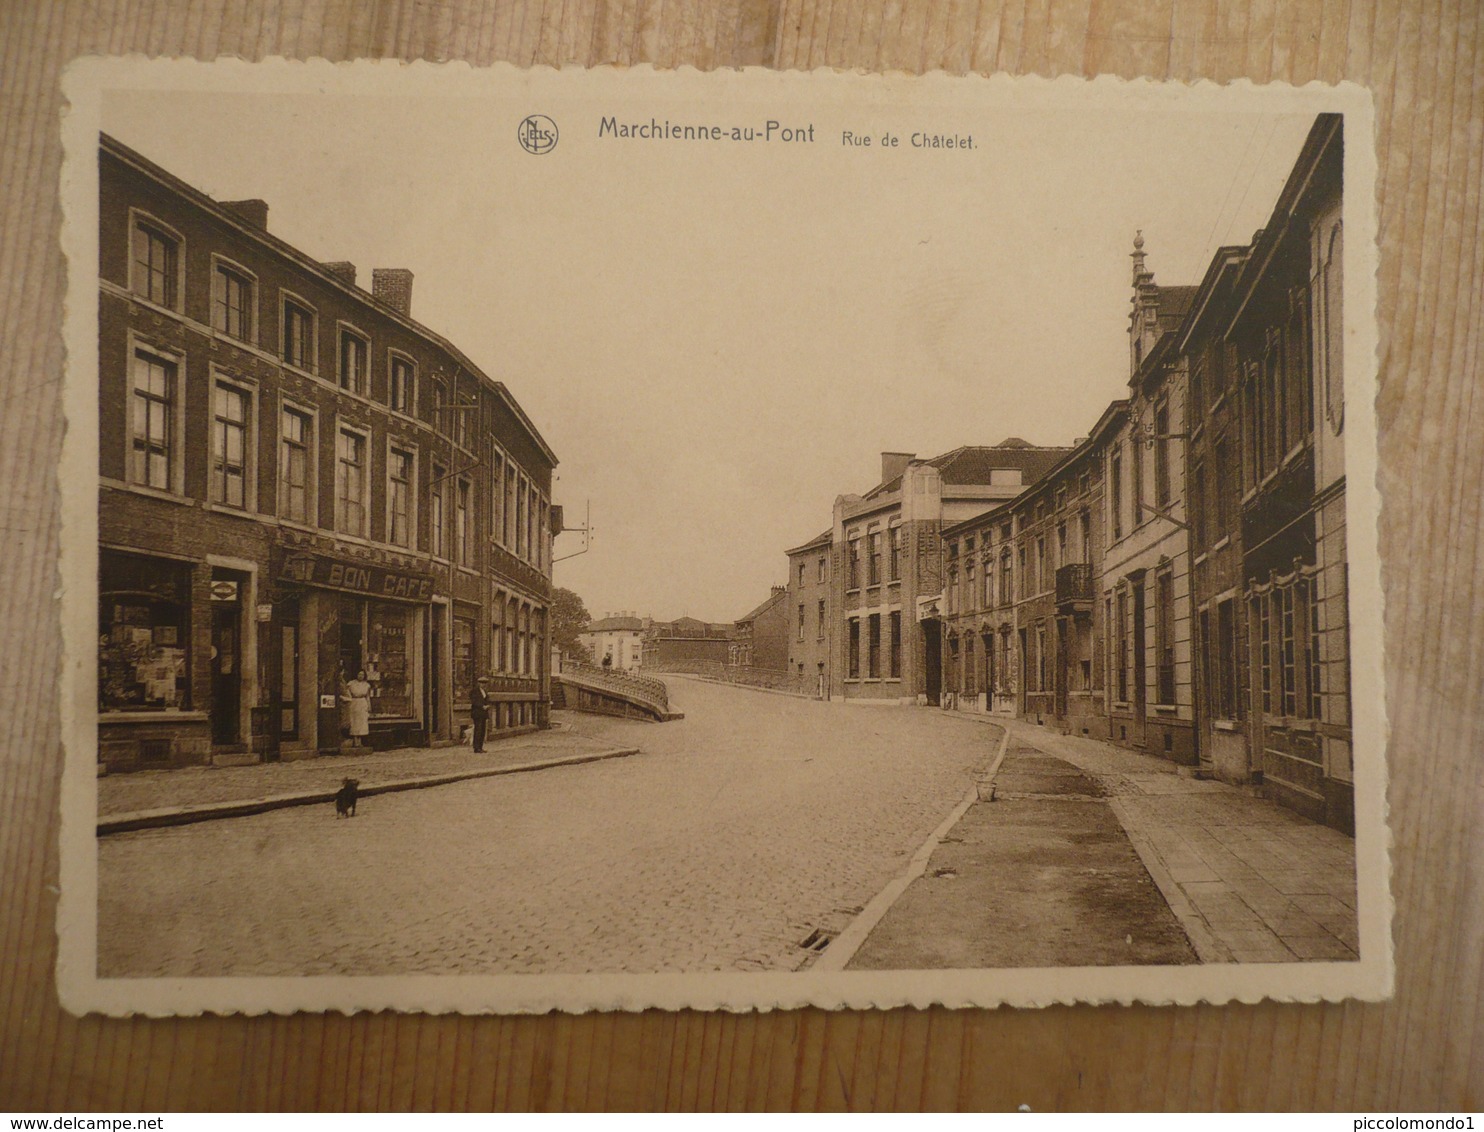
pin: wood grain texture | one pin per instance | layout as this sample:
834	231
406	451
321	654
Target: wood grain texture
1424	1050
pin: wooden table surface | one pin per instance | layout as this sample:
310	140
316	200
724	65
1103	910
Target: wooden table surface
1424	1050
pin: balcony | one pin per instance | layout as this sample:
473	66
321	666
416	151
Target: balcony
1074	587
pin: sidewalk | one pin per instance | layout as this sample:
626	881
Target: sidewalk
1250	881
145	799
1091	854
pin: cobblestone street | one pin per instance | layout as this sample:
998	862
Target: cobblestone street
733	835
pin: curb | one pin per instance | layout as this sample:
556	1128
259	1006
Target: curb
843	947
212	811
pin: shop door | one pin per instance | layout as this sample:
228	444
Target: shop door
226	674
435	672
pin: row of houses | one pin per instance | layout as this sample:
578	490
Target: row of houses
1174	581
628	642
305	497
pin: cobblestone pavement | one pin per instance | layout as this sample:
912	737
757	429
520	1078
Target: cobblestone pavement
741	829
1250	881
203	785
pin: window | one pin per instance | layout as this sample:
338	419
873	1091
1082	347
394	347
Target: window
298	335
821	573
1197	507
463	659
1123	660
873	646
1331	342
801	621
1316	703
152	459
1020	572
512	613
459	426
1162	456
399	497
461	523
853	565
533	505
896	555
894	652
232	302
821	619
144	610
521	547
512	486
1136	480
1007	578
354	351
1287	625
294	463
350	483
1043	682
1042	564
801	575
1262	608
402	388
1062	557
440	406
1164	637
435	514
156	257
853	650
497	633
1085	522
1226	659
229	445
873	564
971	585
1115	494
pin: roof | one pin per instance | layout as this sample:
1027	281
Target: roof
774	599
1173	303
973	464
304	262
820	540
690	628
614	625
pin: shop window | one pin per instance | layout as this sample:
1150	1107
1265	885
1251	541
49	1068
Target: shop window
156	255
143	634
399	497
229	447
402	383
298	335
388	660
463	659
232	302
350	483
154	420
354	354
294	464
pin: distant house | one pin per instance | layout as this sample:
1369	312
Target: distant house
686	642
760	640
619	638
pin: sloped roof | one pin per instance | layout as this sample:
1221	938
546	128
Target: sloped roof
614	624
1174	302
973	463
822	539
773	600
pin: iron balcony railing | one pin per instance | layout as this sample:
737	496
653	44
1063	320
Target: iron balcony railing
1074	584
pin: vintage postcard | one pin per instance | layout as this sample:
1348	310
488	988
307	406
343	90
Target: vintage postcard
597	540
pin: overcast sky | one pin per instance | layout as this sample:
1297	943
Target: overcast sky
717	338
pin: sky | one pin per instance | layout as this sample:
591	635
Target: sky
718	339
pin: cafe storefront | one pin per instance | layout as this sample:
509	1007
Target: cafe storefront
338	619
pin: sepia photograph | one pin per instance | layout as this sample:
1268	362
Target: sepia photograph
602	539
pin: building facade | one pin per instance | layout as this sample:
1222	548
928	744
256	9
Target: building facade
617	639
687	644
760	639
299	484
808	601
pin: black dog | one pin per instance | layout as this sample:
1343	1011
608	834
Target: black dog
345	798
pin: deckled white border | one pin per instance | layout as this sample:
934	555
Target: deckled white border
81	991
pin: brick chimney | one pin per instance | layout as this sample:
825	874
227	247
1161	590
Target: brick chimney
894	464
393	286
342	269
255	212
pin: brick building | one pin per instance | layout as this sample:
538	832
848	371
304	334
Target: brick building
298	483
687	644
808	601
760	639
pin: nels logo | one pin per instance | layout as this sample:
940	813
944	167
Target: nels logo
537	134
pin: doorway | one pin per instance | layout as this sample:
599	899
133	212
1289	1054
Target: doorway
932	633
226	673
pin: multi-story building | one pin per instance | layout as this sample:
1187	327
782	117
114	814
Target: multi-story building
617	639
1286	328
1145	569
1023	626
886	566
687	644
299	483
760	639
808	603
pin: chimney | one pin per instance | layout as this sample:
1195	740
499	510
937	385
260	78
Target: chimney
894	464
778	590
343	270
393	286
255	212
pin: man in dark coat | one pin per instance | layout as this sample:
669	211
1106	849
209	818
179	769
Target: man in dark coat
479	712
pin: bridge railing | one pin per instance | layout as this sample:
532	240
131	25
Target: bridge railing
622	683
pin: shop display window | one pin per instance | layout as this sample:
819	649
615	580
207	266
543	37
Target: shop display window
388	660
463	659
143	634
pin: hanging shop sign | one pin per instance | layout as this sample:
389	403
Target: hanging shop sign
357	577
